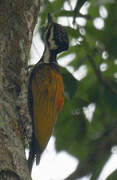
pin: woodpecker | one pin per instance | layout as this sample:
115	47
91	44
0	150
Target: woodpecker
46	90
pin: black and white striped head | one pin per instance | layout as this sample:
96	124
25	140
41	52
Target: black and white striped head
55	37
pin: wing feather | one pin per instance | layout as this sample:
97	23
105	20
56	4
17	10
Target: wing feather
48	99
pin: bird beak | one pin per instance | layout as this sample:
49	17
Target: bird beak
50	20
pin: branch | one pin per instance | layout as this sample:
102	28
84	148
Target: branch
74	175
71	14
79	4
104	81
101	147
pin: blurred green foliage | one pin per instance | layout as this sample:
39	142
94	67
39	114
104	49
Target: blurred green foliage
94	44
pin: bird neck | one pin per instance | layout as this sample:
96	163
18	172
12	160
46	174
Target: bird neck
49	56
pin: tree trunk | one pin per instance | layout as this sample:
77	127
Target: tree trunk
17	22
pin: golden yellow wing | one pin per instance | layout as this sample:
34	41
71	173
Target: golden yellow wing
48	99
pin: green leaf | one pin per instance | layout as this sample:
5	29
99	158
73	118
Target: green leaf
113	176
89	142
70	83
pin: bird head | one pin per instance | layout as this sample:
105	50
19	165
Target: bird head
55	36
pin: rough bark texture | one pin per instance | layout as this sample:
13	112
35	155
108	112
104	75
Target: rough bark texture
17	22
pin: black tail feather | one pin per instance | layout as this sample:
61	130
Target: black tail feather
35	152
32	153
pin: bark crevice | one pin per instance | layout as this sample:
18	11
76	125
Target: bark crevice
17	22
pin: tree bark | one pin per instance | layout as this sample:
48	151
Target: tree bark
17	22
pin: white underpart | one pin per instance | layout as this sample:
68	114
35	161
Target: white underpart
46	55
51	41
52	45
47	52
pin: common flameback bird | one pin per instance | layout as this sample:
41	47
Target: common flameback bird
46	90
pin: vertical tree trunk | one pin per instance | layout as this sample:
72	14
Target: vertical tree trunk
17	22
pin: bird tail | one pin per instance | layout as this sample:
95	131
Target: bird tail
31	153
35	152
